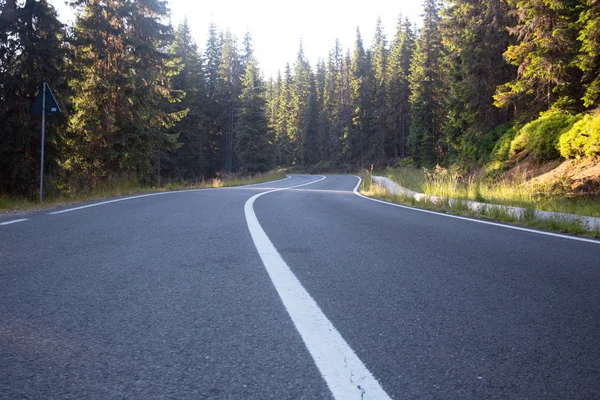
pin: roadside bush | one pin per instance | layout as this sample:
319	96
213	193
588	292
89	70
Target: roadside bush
464	154
539	138
408	162
503	135
583	139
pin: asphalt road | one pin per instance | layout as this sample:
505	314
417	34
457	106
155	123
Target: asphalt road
169	297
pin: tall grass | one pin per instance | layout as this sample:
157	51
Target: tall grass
459	208
451	184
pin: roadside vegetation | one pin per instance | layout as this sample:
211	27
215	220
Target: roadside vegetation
551	163
519	192
528	219
128	186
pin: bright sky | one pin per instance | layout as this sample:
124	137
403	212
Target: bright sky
277	26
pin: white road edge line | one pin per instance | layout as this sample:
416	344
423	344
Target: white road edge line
345	374
107	202
155	194
516	228
14	221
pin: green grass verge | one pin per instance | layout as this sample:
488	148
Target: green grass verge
128	187
449	183
494	214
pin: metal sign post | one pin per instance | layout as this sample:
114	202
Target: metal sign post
39	107
43	132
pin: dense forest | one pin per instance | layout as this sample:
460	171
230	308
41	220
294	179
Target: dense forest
477	80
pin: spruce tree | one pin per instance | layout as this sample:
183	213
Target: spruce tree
229	71
475	36
379	72
212	97
346	108
212	60
324	127
333	104
361	98
589	58
246	51
253	144
544	54
191	161
303	128
273	100
121	97
102	91
32	50
428	91
401	55
283	123
147	133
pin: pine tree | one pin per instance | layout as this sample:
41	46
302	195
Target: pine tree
253	145
191	161
147	134
427	86
311	128
246	50
589	58
102	90
361	98
476	37
283	123
229	71
303	128
324	126
273	101
31	51
399	90
212	99
346	109
212	60
333	134
379	71
544	54
121	98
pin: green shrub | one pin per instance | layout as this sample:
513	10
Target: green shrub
501	150
539	138
489	141
466	154
583	139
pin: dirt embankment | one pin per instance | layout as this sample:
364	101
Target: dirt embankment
574	178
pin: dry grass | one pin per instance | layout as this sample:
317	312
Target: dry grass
517	192
459	208
127	186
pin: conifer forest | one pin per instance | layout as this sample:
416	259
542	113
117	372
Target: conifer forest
142	99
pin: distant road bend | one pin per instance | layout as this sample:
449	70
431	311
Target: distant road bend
292	289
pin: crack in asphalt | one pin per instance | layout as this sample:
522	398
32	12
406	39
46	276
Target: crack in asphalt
362	391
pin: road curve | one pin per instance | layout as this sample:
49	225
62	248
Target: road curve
167	297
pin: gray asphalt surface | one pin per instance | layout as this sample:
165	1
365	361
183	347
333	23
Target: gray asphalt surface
166	297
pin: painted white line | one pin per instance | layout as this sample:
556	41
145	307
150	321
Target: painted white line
516	228
345	374
14	221
108	202
156	194
264	183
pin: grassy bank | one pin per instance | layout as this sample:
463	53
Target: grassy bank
495	214
126	186
450	184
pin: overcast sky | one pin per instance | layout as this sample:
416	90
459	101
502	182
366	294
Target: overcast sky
277	26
